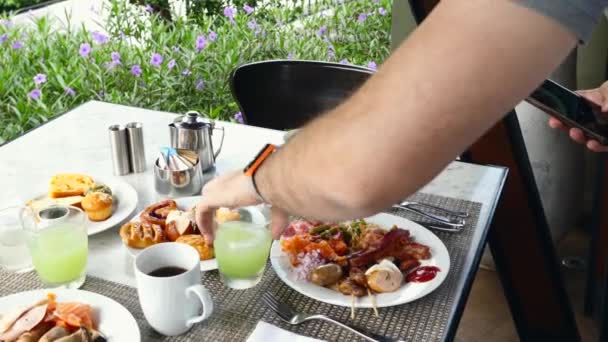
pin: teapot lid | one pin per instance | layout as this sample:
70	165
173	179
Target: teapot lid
192	120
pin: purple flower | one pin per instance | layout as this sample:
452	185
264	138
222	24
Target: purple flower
39	79
3	38
344	61
322	30
171	64
99	37
290	56
113	64
200	84
85	49
156	59
229	12
101	94
35	94
115	56
248	9
372	65
362	17
70	91
122	35
136	70
252	24
212	36
381	11
187	72
7	23
149	8
201	42
176	49
239	117
17	45
331	54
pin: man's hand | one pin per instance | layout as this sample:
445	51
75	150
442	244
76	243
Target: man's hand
598	96
232	190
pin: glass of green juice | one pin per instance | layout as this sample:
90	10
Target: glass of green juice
58	244
241	250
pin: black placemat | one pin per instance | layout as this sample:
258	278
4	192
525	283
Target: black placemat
236	313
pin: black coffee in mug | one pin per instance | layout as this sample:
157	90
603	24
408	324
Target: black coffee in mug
169	271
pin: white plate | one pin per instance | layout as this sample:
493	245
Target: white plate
407	293
185	203
113	320
123	205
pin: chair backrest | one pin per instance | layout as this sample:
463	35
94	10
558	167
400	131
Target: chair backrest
285	94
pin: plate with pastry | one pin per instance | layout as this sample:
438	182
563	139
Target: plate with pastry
173	221
107	203
65	315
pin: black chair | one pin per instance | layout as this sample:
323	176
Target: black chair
285	94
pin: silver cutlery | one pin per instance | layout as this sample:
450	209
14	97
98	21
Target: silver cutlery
439	226
287	314
457	219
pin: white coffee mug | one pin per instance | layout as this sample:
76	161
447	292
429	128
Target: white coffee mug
171	304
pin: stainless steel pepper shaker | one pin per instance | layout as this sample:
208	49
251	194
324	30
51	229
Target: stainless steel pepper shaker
119	146
137	154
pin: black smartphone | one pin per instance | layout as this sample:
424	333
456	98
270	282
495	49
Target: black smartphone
572	109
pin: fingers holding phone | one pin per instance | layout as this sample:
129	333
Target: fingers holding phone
581	131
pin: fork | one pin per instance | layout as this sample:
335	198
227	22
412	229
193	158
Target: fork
287	314
458	220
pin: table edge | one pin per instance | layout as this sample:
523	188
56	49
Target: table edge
472	262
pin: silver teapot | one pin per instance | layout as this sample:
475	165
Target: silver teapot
193	132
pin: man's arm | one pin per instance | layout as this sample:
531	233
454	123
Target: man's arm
454	77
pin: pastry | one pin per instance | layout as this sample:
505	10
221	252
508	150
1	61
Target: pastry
69	184
99	188
224	215
141	234
179	223
205	250
157	213
97	205
38	204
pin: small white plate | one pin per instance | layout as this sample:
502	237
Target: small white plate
185	203
123	205
407	293
113	320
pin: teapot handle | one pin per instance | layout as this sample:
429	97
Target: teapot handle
219	149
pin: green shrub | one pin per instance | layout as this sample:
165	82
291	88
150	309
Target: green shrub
13	5
44	73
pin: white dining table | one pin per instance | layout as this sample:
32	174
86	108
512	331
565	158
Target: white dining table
78	141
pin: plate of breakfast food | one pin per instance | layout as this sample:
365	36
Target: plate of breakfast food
380	261
173	221
107	203
65	316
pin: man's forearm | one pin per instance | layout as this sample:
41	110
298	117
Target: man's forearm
470	62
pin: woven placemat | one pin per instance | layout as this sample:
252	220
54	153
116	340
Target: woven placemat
237	312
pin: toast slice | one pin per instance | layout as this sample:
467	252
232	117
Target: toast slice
69	184
38	204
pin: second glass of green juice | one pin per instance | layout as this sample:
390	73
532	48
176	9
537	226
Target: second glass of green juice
59	248
241	249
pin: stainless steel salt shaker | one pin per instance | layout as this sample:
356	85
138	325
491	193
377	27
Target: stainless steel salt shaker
137	154
119	146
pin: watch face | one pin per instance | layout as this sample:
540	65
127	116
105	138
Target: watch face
259	159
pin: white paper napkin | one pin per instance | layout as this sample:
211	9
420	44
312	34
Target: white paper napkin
265	332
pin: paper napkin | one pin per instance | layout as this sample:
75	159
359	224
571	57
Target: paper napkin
265	332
